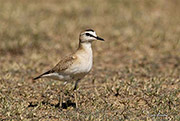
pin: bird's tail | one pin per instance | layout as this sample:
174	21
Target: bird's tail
42	75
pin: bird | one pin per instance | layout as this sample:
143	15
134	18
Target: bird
74	67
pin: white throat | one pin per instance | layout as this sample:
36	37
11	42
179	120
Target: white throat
86	45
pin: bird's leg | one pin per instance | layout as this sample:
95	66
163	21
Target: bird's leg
61	99
61	95
75	92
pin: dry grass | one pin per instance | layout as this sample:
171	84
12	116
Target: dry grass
136	72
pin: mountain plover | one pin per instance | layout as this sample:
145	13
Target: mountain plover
75	66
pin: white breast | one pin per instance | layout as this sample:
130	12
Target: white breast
84	61
86	58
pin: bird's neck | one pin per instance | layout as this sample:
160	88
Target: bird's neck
85	46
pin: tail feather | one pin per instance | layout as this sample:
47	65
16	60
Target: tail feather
42	75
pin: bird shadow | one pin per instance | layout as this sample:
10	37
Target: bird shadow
65	105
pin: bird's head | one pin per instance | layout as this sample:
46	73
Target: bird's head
89	35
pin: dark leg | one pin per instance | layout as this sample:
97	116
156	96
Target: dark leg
75	92
76	84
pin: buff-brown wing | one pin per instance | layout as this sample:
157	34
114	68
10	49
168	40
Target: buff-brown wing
60	67
64	64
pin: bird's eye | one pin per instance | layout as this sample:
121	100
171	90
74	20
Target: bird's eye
87	34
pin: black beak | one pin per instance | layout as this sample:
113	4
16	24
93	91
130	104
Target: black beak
99	38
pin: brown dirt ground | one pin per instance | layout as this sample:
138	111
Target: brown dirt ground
136	72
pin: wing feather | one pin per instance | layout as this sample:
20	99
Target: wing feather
64	64
60	67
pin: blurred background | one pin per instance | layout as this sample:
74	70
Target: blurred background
137	67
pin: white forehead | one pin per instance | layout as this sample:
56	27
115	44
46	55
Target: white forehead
92	33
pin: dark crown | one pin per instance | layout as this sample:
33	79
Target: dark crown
89	30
